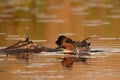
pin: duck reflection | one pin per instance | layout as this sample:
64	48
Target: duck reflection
81	59
67	61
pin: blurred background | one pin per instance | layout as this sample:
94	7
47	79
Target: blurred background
44	20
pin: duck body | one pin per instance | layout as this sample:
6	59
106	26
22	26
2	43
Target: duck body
78	48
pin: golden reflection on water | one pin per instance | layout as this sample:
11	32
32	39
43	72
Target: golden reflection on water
47	19
48	67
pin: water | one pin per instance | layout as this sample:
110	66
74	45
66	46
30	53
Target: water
44	20
47	66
